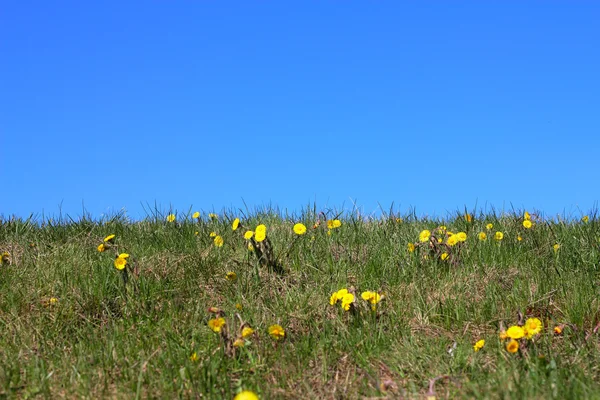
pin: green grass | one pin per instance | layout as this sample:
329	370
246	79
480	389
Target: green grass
110	337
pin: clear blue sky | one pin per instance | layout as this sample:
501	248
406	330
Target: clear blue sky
435	105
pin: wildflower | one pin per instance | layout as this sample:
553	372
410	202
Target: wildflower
236	223
411	247
101	247
502	335
399	220
424	236
213	216
444	256
556	247
461	236
120	263
276	332
239	343
585	219
527	224
123	255
248	235
515	332
250	247
499	236
170	217
337	223
468	217
558	330
442	228
194	357
196	215
489	227
337	296
260	233
231	276
533	326
452	240
519	238
216	324
213	234
246	395
53	300
299	229
526	216
329	232
482	236
196	233
218	241
371	297
512	346
479	345
347	301
440	240
247	331
109	238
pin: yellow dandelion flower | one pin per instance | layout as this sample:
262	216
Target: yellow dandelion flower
170	217
585	219
526	216
399	220
337	223
53	300
260	233
479	345
194	357
101	247
123	255
489	227
231	276
248	235
424	236
533	326
410	247
236	224
330	224
196	215
247	331
329	232
109	238
442	228
239	342
246	395
218	240
482	236
250	247
461	236
213	216
371	297
120	263
519	238
527	224
502	335
515	332
452	240
212	234
556	247
299	229
276	332
499	236
347	301
216	324
444	256
196	233
337	296
512	346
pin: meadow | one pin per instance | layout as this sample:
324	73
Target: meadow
313	305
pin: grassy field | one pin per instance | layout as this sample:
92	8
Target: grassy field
74	325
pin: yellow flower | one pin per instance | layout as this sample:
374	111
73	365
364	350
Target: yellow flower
489	227
444	256
236	223
347	301
329	232
515	332
482	236
248	235
533	326
276	332
556	247
5	257
170	217
218	241
109	238
260	233
213	216
526	216
461	236
239	343
337	296
53	300
527	224
512	346
194	357
231	276
299	229
247	331
452	240
216	324
502	335
246	395
337	223
196	215
120	263
250	247
330	224
442	228
585	219
468	217
558	330
213	234
371	297
410	247
479	345
519	238
499	236
196	233
440	240
123	255
101	247
399	220
424	236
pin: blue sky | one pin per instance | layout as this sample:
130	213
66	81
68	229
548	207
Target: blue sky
210	104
